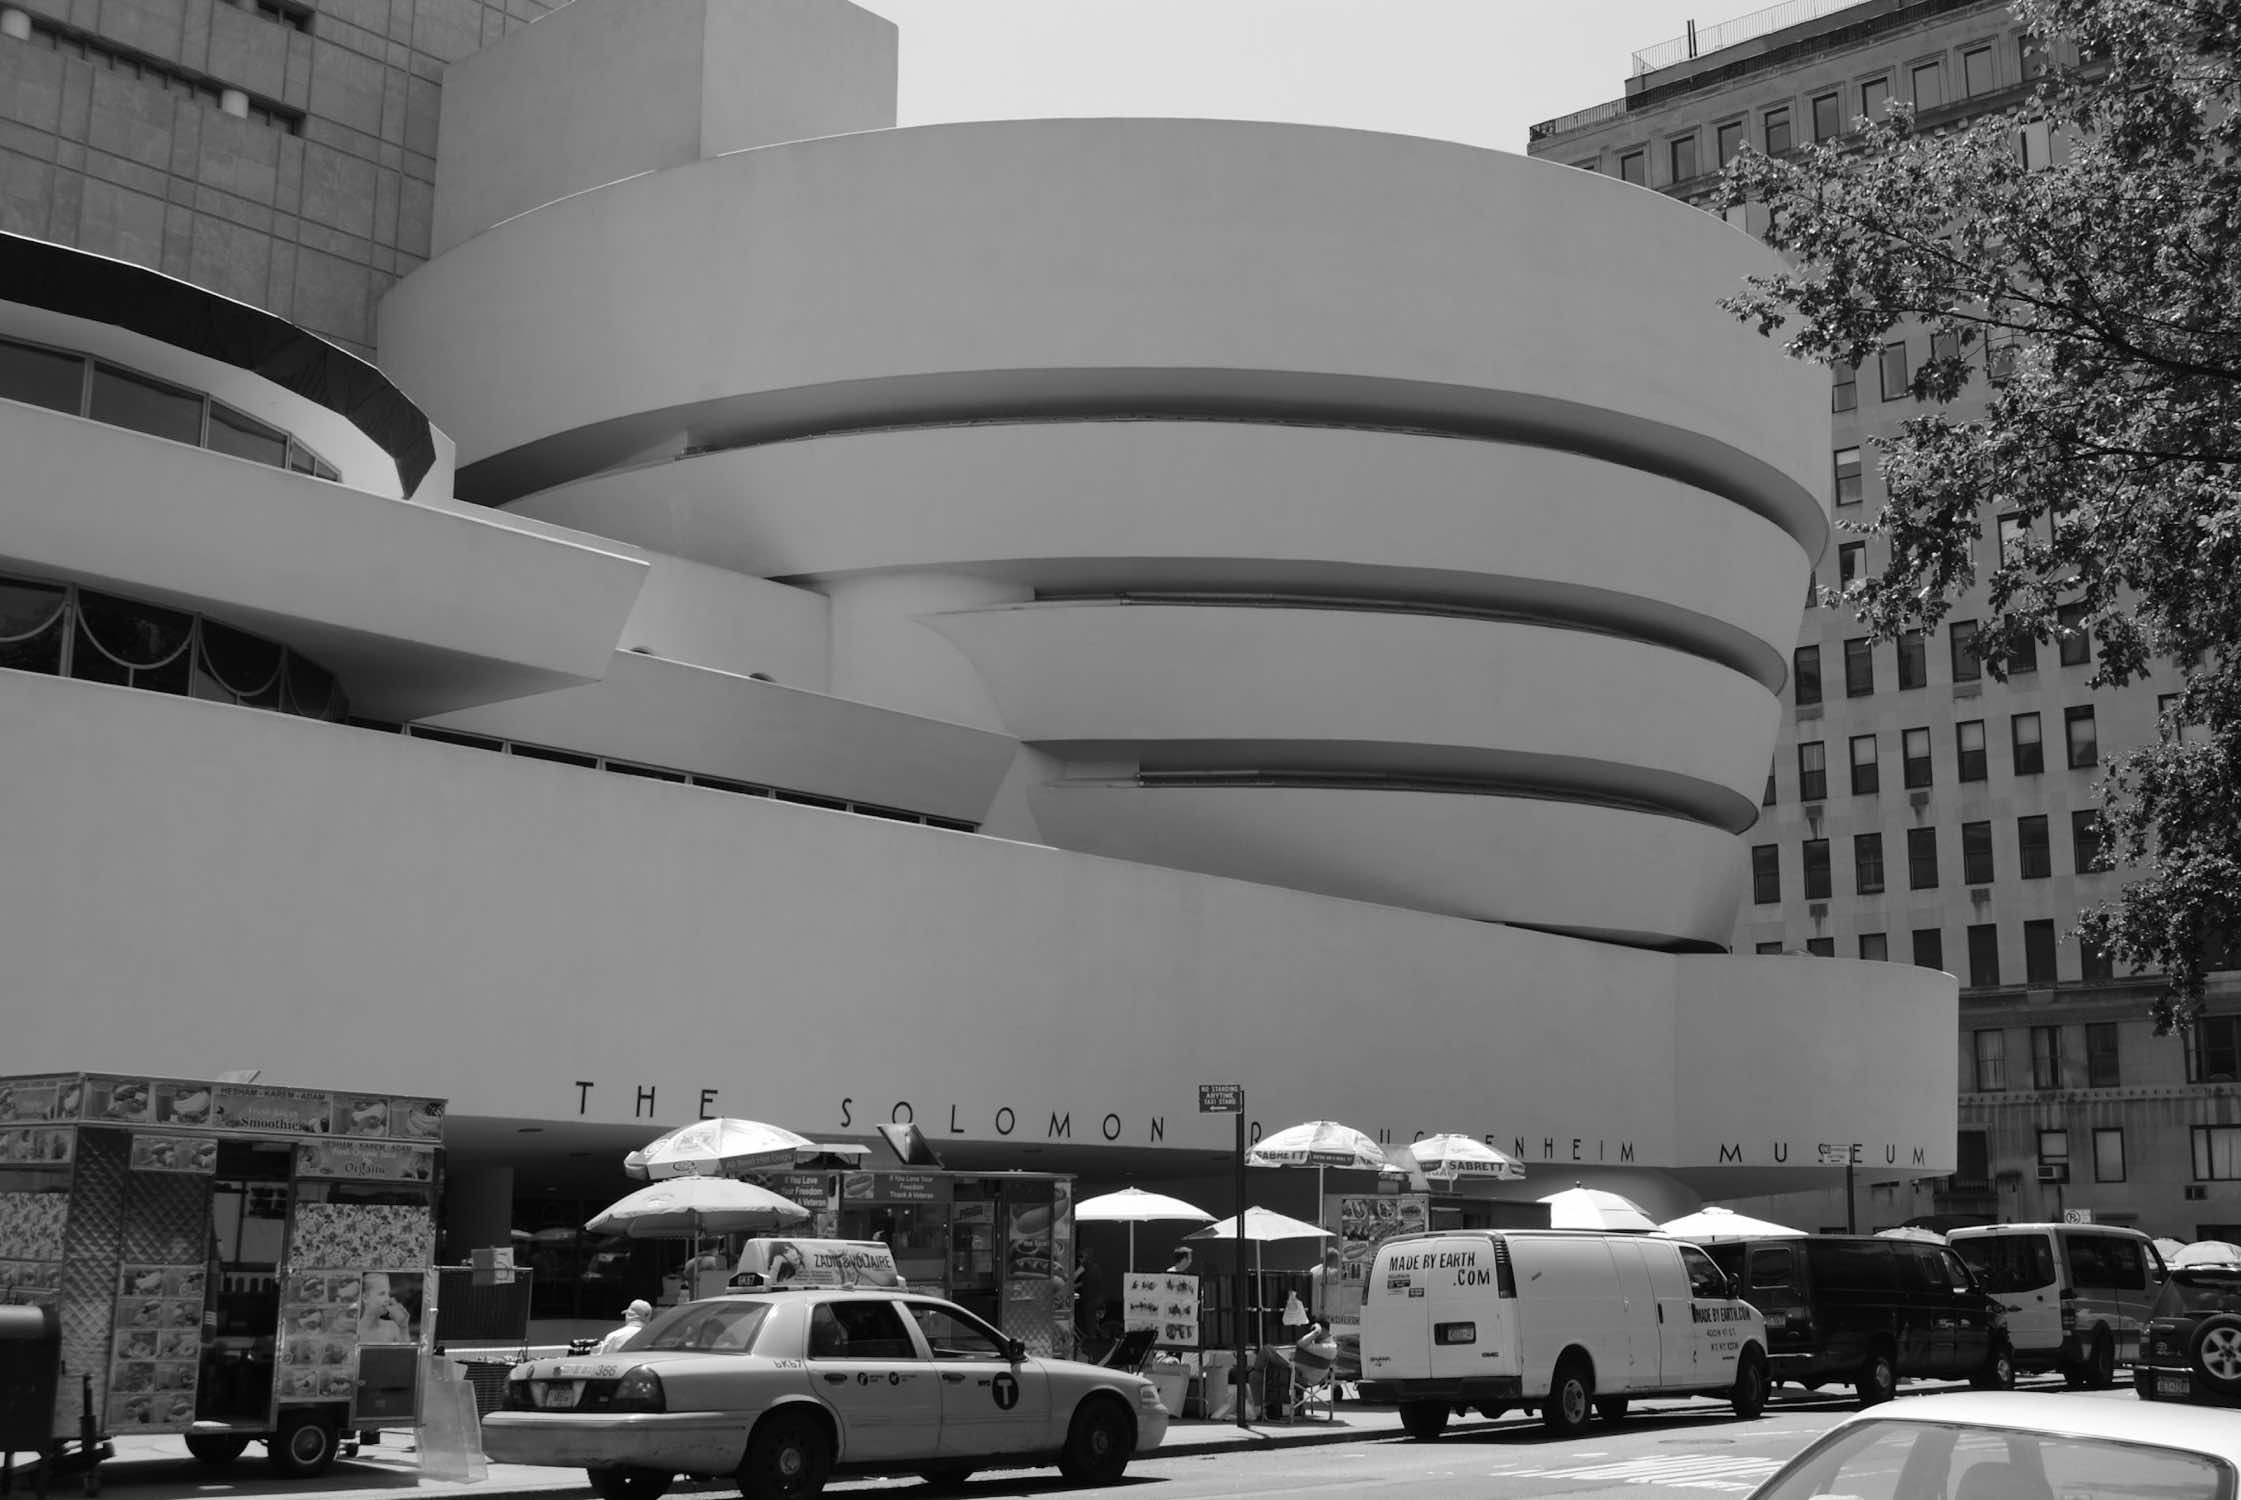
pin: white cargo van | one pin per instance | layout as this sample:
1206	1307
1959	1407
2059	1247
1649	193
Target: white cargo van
1565	1321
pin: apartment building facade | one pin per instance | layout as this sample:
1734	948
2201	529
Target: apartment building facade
1917	810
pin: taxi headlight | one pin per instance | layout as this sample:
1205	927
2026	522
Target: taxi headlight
1147	1394
638	1390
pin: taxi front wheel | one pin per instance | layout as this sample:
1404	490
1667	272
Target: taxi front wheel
629	1484
1099	1443
788	1458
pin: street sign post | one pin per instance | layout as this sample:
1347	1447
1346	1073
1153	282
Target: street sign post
1229	1099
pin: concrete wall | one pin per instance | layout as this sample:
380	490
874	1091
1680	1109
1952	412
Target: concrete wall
222	888
603	89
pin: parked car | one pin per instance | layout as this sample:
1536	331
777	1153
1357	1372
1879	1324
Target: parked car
2016	1446
2077	1295
2192	1348
1569	1323
1868	1312
784	1389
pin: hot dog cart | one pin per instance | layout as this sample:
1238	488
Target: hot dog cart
230	1262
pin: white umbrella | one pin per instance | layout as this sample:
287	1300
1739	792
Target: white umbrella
691	1206
717	1148
1134	1206
1261	1226
2207	1253
1709	1225
1318	1143
1454	1156
2167	1247
1592	1208
1911	1232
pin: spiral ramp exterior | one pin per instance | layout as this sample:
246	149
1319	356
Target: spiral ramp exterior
1352	512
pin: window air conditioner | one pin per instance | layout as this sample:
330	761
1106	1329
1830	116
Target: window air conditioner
2054	1171
2195	1192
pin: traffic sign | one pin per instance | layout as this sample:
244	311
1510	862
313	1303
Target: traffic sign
1221	1098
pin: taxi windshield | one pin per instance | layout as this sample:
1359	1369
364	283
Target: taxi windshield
715	1327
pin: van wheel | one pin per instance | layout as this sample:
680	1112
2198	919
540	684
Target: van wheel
1997	1372
1611	1408
1493	1413
1878	1380
1423	1420
1749	1395
1571	1397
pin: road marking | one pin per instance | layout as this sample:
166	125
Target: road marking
1733	1473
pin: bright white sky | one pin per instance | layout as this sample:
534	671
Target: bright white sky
1477	71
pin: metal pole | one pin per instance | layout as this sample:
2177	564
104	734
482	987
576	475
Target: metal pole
1851	1224
1244	1277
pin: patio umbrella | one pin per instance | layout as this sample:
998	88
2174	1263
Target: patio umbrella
1453	1156
1709	1225
1134	1206
1911	1232
1318	1143
2167	1247
722	1147
2207	1253
1592	1208
1261	1226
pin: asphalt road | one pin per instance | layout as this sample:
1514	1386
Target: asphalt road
1690	1453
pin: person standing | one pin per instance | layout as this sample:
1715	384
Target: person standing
1323	1284
1089	1294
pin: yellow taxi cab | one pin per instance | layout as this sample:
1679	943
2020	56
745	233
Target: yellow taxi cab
787	1385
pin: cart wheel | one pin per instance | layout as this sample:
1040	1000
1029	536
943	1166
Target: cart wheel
305	1445
216	1447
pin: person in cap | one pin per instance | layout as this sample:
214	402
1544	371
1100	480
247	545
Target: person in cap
634	1318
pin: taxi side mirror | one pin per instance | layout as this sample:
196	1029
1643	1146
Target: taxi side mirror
1014	1350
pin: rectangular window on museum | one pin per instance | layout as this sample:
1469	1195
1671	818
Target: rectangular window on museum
1728	138
1968	740
1929	84
1769	949
1984	955
1874	95
1866	770
1821	947
1875	947
1847	476
1768	799
123	399
1976	854
2217	1152
1633	167
1859	667
1867	863
1805	675
2046	1057
1976	71
1777	130
2108	1154
2023	743
1817	882
2013	529
1851	562
1921	859
1966	667
1914	758
1892	372
1914	660
2075	646
2023	658
1844	388
2054	1146
1929	948
2101	1060
2085	841
1766	874
1972	1159
1991	1061
2214	1050
2034	849
1681	155
42	377
2083	739
1828	117
1812	771
2095	963
2038	954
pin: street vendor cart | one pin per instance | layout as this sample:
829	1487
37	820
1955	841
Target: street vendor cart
230	1262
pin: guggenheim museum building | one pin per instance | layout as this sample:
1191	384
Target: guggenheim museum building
987	625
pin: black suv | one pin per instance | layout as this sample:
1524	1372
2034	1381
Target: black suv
1868	1312
2191	1348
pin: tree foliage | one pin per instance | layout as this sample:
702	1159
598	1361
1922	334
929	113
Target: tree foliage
2095	303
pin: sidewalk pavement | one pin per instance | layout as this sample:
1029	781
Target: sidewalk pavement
159	1468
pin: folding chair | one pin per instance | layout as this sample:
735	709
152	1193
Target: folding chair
1313	1379
1131	1351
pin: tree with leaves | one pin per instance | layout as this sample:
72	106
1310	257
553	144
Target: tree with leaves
2097	299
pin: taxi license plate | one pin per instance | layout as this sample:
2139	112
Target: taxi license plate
2173	1385
558	1396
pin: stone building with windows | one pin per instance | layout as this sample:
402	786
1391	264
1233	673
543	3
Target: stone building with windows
1917	811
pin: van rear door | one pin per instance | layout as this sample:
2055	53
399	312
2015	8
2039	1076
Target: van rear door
1397	1309
1473	1301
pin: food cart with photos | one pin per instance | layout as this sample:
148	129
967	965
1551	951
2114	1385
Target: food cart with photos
229	1262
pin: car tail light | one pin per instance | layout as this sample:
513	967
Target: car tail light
518	1393
638	1390
2069	1310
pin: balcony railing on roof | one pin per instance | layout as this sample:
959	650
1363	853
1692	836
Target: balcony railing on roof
1578	119
1710	39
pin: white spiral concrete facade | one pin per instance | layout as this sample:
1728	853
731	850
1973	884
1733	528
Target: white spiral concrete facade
1341	493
